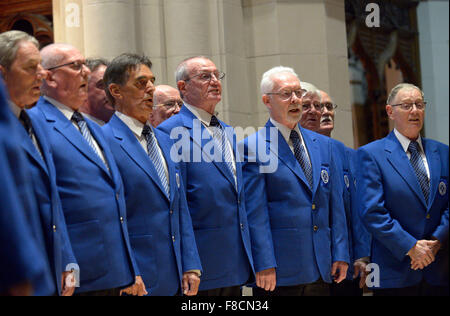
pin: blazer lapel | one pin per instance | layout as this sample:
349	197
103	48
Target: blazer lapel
434	165
132	147
284	153
73	136
203	138
400	162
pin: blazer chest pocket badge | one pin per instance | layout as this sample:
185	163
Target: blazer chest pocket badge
442	187
325	175
177	176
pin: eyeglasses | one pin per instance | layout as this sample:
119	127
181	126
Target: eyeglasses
75	65
328	105
207	76
170	105
286	95
420	105
308	106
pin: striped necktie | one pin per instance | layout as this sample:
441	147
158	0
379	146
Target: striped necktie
302	157
155	157
221	140
84	129
419	168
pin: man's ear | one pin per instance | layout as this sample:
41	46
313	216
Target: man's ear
181	86
390	111
50	81
114	89
266	101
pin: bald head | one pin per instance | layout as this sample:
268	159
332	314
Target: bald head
67	80
167	102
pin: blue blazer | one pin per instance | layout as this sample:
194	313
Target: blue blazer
93	202
394	210
358	237
216	206
283	210
160	227
22	250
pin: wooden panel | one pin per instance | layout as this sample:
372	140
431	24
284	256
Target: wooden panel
11	7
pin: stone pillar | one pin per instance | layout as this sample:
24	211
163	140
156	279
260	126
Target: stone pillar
433	41
68	22
309	36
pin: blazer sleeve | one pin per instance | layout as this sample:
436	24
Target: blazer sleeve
257	210
374	214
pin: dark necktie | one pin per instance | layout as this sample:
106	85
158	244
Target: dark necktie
84	129
302	157
155	157
221	140
419	168
26	122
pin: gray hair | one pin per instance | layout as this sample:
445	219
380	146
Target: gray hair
9	44
310	89
267	78
181	73
397	89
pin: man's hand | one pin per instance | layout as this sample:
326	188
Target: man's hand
137	289
67	283
190	284
267	279
434	246
421	254
360	270
23	289
342	267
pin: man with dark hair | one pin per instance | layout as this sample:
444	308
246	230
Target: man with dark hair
158	218
87	176
23	74
97	108
403	199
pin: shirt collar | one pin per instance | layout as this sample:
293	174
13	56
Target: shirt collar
68	112
201	114
286	131
14	108
136	126
405	141
94	119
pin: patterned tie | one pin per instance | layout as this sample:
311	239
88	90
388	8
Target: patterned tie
419	168
26	122
302	157
155	157
220	138
84	129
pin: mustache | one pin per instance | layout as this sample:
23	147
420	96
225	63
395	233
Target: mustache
327	118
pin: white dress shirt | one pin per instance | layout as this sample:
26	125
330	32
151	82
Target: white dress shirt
404	141
286	133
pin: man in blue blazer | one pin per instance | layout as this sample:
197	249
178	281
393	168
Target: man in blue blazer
359	238
212	177
88	180
23	85
403	199
159	223
24	268
295	209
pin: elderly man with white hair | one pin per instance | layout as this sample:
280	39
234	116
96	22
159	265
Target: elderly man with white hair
295	212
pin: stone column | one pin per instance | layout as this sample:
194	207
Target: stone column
309	36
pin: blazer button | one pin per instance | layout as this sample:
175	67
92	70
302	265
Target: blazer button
121	220
171	211
54	228
313	207
242	226
117	196
173	238
428	216
316	228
